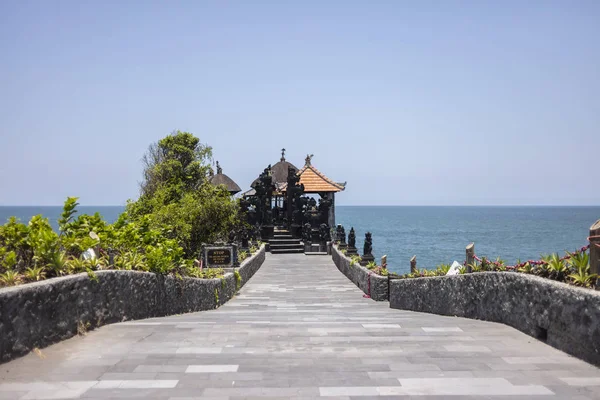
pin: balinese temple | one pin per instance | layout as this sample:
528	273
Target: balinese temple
315	182
281	204
279	173
221	179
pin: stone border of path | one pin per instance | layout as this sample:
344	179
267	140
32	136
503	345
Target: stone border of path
563	316
370	283
38	314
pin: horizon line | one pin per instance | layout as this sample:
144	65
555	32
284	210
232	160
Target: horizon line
349	205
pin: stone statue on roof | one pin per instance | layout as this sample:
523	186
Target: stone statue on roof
308	159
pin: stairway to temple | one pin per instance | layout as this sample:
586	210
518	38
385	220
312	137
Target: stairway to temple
284	242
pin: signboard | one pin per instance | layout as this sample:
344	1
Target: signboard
219	256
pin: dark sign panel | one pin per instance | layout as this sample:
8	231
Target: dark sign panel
219	256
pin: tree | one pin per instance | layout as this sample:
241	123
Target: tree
177	196
177	160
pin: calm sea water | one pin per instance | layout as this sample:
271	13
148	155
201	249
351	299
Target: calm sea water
24	213
440	234
434	234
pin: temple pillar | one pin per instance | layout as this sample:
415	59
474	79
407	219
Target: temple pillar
331	216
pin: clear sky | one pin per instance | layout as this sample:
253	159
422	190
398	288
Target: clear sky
410	102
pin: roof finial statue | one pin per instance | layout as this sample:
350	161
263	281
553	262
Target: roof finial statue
307	159
219	169
282	154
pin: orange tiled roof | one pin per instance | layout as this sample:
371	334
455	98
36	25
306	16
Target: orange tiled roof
315	181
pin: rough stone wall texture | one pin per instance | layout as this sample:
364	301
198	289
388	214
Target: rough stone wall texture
42	313
361	276
251	265
563	316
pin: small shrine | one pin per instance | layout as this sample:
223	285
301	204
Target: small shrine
315	182
280	208
221	179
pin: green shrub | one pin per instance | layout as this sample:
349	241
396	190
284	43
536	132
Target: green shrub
34	274
527	268
371	265
238	280
573	268
380	271
177	197
580	266
10	278
242	255
557	268
10	260
442	269
34	251
355	260
161	232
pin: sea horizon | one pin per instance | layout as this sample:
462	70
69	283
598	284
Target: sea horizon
350	205
435	234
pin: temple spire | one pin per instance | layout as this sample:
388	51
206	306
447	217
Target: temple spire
282	155
219	169
308	159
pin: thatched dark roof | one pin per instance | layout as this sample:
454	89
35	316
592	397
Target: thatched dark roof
279	171
221	179
248	193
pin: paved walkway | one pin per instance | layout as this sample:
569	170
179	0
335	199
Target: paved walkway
300	329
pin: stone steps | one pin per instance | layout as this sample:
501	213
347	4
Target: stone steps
283	242
283	246
278	241
287	251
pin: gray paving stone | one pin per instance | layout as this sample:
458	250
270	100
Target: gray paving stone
581	381
12	395
299	329
211	368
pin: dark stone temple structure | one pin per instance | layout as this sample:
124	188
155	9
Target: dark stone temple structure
315	182
280	208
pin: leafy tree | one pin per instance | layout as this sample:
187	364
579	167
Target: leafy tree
161	232
178	161
177	197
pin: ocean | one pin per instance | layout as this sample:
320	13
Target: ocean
434	234
24	213
440	234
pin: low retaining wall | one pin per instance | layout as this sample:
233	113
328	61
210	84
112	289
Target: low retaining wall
39	314
564	316
251	265
361	276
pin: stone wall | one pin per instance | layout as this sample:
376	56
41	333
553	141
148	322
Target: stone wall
564	316
251	265
361	276
39	314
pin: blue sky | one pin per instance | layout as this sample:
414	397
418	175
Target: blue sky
417	103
